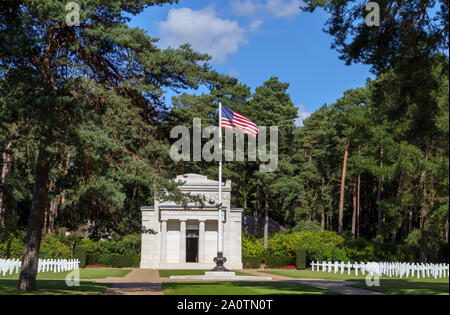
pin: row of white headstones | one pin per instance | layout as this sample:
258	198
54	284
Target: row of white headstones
389	269
45	265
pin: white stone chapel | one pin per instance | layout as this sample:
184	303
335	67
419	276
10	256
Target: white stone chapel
186	237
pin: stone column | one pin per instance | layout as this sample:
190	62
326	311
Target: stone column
183	241
201	241
163	241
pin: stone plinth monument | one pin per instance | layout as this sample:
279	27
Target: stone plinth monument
187	237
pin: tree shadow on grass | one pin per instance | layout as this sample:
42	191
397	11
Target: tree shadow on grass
406	286
53	287
241	288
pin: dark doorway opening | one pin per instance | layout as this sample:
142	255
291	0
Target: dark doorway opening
191	246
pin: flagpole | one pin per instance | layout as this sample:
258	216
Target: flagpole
219	244
220	260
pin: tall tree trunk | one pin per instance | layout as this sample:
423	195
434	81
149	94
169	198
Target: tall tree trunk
354	212
58	201
410	221
245	197
423	207
398	216
245	206
45	218
322	219
27	279
446	232
380	188
54	205
256	210
132	200
423	213
6	167
341	198
266	215
322	215
358	199
358	206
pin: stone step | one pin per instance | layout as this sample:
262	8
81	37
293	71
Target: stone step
218	275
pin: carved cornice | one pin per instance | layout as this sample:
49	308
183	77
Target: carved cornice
190	215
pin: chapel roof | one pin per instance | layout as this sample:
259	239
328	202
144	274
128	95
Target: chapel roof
191	179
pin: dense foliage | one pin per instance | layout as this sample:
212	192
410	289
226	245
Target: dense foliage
59	246
319	246
327	246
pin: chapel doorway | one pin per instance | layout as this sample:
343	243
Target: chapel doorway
192	246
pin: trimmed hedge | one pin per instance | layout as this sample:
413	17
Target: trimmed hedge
91	260
300	261
279	261
116	261
251	262
80	253
126	261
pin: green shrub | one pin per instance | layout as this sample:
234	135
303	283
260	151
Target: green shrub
90	246
60	247
251	262
116	261
319	246
323	245
307	226
99	259
91	259
52	246
125	261
131	244
300	261
103	252
55	247
360	250
283	244
80	253
252	246
12	248
404	252
279	261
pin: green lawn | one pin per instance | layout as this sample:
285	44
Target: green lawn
408	287
8	283
387	285
85	273
180	272
53	287
315	274
240	288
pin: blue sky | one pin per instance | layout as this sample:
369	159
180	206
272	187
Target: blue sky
256	39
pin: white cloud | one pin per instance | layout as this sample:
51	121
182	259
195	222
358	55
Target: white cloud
254	25
247	8
218	37
272	8
281	8
302	115
204	30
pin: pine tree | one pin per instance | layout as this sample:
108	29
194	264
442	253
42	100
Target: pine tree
73	76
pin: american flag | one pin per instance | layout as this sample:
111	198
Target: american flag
237	122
